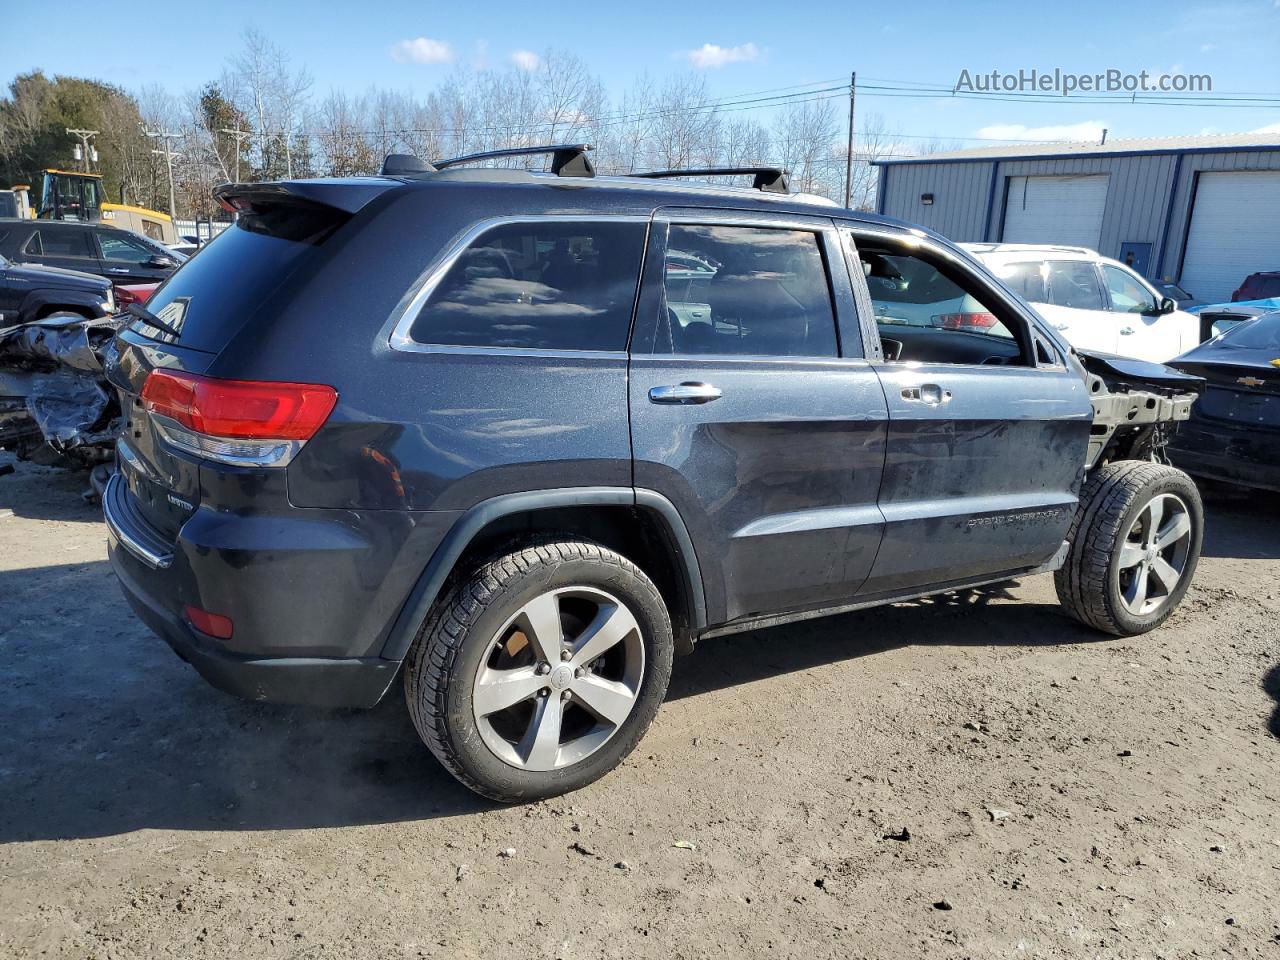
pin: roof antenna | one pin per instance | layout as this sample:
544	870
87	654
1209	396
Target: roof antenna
1103	141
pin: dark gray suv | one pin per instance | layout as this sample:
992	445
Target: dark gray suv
524	436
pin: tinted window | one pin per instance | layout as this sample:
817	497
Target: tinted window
907	291
1260	334
1025	279
746	290
63	243
1074	283
543	285
213	294
1127	294
118	245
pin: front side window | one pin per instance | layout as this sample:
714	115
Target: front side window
1074	283
1128	295
750	291
543	285
930	311
117	245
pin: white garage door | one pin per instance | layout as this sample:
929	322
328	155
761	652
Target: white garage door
1235	231
1064	210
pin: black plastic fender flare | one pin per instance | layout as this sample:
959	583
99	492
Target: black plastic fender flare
476	518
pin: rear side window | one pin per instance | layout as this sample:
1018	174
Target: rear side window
60	243
211	296
545	285
751	291
1074	283
1025	279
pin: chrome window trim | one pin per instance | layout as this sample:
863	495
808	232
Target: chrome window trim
420	292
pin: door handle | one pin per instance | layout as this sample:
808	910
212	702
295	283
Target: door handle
686	393
1126	330
929	393
117	269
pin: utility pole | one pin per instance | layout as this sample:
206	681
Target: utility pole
168	158
240	136
87	152
848	162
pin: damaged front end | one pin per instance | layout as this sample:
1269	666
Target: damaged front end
55	406
1136	407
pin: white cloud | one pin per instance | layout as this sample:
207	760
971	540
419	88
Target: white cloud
1088	130
422	50
525	60
1270	127
710	55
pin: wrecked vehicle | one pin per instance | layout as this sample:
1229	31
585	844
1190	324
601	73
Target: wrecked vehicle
576	424
55	408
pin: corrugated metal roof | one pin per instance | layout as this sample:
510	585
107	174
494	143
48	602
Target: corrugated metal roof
1010	151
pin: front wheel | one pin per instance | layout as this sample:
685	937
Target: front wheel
541	671
1135	542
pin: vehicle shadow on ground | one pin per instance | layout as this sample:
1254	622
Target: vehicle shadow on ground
1245	527
1271	684
961	618
107	731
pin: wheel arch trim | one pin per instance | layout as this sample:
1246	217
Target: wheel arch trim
432	579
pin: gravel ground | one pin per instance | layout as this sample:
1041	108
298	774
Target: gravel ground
964	777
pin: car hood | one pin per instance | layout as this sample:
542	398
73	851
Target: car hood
55	276
1138	373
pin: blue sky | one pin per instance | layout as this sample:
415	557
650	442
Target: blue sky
741	47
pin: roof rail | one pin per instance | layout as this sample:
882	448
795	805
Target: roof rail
567	159
768	179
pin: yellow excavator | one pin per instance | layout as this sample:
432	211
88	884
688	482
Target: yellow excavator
71	195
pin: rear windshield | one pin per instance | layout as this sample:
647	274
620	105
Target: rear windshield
209	298
1260	334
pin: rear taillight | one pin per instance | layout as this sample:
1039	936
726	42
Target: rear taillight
241	422
965	321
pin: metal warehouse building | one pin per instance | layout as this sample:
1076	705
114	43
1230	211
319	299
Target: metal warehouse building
1203	211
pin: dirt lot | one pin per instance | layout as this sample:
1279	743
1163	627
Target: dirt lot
1116	799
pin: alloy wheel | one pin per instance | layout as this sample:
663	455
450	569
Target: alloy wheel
1154	554
559	678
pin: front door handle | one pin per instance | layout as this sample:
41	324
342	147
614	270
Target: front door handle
1126	330
929	393
687	392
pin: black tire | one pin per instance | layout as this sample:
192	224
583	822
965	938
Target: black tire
442	666
1089	584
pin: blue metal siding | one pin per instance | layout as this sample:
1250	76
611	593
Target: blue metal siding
959	207
1149	195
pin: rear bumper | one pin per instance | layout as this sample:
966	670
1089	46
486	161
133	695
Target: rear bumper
310	593
312	681
1219	451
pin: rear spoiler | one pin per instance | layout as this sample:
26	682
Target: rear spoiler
348	195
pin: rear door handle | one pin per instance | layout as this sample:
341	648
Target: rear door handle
929	393
117	269
687	392
1126	330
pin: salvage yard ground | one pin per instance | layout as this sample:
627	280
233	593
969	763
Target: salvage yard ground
1050	792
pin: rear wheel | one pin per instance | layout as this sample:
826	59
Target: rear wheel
1135	543
542	671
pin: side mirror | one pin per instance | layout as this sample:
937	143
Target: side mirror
1166	305
162	263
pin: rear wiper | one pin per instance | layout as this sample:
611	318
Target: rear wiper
149	318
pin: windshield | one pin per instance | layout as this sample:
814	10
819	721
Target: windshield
1261	333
